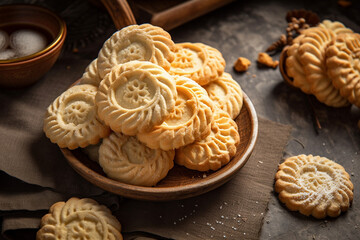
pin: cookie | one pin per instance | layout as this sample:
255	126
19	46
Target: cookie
335	26
342	62
79	219
198	62
189	121
294	68
91	75
143	42
314	186
71	120
213	151
226	93
312	57
136	96
125	159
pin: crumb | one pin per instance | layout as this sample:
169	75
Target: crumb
75	50
242	64
344	3
254	75
265	59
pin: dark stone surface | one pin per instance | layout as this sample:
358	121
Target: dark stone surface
246	28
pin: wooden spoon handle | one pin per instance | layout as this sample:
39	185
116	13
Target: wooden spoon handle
120	12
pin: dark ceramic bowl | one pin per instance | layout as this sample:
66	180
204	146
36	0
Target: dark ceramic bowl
24	71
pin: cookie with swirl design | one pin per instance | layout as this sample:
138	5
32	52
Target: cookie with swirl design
189	121
314	185
335	26
136	96
79	219
226	93
143	42
91	75
71	121
213	151
125	159
198	62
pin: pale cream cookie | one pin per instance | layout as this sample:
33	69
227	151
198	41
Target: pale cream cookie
314	186
136	96
71	120
335	26
343	66
79	219
198	62
213	151
125	159
91	75
189	121
312	56
226	94
143	42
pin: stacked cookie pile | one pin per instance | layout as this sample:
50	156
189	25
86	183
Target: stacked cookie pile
153	103
325	61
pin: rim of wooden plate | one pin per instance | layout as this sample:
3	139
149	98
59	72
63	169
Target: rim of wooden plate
170	188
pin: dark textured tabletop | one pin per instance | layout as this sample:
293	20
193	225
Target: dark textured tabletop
246	28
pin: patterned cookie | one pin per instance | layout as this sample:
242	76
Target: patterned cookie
226	94
343	66
136	96
91	75
198	62
314	185
143	42
312	57
215	150
335	26
71	120
189	121
294	68
125	159
79	219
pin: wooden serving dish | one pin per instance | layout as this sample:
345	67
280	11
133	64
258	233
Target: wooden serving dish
180	182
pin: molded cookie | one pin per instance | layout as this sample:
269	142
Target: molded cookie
226	94
198	62
91	75
127	160
136	96
213	151
71	120
143	42
79	219
314	185
189	121
335	26
312	56
343	64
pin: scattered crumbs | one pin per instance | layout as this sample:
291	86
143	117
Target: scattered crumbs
239	215
256	202
196	205
226	217
220	207
254	75
234	218
174	223
352	161
257	166
247	73
260	162
234	228
352	174
254	214
224	236
262	214
212	228
204	175
222	217
355	153
187	234
323	144
238	221
193	222
212	236
325	221
313	237
185	216
192	177
160	216
182	205
244	233
209	224
75	50
225	203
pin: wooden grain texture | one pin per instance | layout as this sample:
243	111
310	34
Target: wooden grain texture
180	182
120	12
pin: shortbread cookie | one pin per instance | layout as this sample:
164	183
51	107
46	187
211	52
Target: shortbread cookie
198	62
79	219
143	42
91	75
214	151
335	26
71	120
294	68
343	66
136	96
226	94
314	185
189	121
312	57
125	159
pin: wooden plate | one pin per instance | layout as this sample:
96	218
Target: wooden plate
180	182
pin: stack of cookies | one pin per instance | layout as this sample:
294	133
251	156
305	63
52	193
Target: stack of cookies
325	61
149	102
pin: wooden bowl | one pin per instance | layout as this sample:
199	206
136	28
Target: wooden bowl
23	71
180	182
282	67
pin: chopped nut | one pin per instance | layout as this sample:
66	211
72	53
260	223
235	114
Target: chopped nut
242	64
278	45
265	59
